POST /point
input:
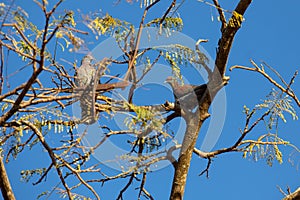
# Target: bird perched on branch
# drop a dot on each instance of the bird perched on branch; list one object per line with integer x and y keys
{"x": 85, "y": 80}
{"x": 188, "y": 95}
{"x": 85, "y": 73}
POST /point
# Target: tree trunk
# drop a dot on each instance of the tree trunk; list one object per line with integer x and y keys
{"x": 217, "y": 79}
{"x": 183, "y": 163}
{"x": 6, "y": 190}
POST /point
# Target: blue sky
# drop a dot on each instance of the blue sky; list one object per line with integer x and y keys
{"x": 269, "y": 33}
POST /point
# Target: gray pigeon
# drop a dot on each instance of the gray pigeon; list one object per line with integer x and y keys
{"x": 85, "y": 80}
{"x": 187, "y": 95}
{"x": 85, "y": 73}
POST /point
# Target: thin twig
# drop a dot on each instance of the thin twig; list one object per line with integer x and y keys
{"x": 167, "y": 12}
{"x": 50, "y": 152}
{"x": 126, "y": 187}
{"x": 221, "y": 13}
{"x": 261, "y": 71}
{"x": 206, "y": 170}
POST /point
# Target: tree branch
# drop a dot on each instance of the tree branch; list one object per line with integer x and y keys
{"x": 50, "y": 152}
{"x": 294, "y": 196}
{"x": 6, "y": 189}
{"x": 221, "y": 13}
{"x": 228, "y": 34}
{"x": 261, "y": 71}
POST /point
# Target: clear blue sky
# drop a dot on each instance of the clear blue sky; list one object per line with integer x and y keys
{"x": 270, "y": 33}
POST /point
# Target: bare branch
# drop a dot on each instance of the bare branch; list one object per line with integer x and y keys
{"x": 126, "y": 187}
{"x": 166, "y": 13}
{"x": 208, "y": 70}
{"x": 207, "y": 168}
{"x": 50, "y": 152}
{"x": 137, "y": 42}
{"x": 44, "y": 175}
{"x": 76, "y": 173}
{"x": 221, "y": 13}
{"x": 142, "y": 185}
{"x": 261, "y": 71}
{"x": 293, "y": 196}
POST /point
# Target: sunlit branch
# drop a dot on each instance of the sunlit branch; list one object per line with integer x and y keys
{"x": 22, "y": 35}
{"x": 18, "y": 51}
{"x": 207, "y": 69}
{"x": 261, "y": 71}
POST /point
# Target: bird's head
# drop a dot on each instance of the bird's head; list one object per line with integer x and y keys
{"x": 171, "y": 80}
{"x": 87, "y": 59}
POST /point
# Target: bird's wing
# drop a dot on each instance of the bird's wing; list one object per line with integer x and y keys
{"x": 180, "y": 91}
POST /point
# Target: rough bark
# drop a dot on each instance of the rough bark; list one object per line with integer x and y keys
{"x": 194, "y": 121}
{"x": 184, "y": 160}
{"x": 228, "y": 35}
{"x": 6, "y": 190}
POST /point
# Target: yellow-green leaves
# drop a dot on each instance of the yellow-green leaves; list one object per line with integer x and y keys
{"x": 172, "y": 62}
{"x": 102, "y": 25}
{"x": 144, "y": 119}
{"x": 27, "y": 174}
{"x": 274, "y": 108}
{"x": 145, "y": 3}
{"x": 177, "y": 55}
{"x": 168, "y": 23}
{"x": 236, "y": 19}
{"x": 24, "y": 48}
{"x": 265, "y": 147}
{"x": 69, "y": 19}
{"x": 279, "y": 105}
{"x": 278, "y": 154}
{"x": 4, "y": 107}
{"x": 77, "y": 42}
{"x": 20, "y": 17}
{"x": 66, "y": 34}
{"x": 65, "y": 20}
{"x": 69, "y": 38}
